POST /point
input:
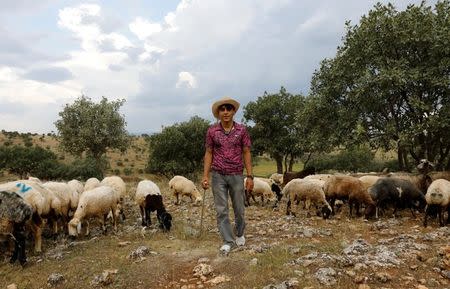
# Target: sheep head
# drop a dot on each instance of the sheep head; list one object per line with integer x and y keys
{"x": 74, "y": 227}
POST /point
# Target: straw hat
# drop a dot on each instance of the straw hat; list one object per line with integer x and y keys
{"x": 222, "y": 101}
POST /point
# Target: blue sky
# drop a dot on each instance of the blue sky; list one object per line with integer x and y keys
{"x": 169, "y": 59}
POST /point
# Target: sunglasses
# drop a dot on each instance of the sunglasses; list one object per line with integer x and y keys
{"x": 227, "y": 107}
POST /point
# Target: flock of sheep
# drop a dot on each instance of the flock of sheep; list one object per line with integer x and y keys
{"x": 26, "y": 205}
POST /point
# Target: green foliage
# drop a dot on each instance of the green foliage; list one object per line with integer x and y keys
{"x": 356, "y": 159}
{"x": 85, "y": 126}
{"x": 178, "y": 149}
{"x": 27, "y": 160}
{"x": 83, "y": 169}
{"x": 274, "y": 132}
{"x": 389, "y": 83}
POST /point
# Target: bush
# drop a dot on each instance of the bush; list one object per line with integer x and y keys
{"x": 357, "y": 159}
{"x": 119, "y": 163}
{"x": 116, "y": 172}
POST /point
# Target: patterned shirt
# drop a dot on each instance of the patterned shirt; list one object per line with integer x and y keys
{"x": 227, "y": 148}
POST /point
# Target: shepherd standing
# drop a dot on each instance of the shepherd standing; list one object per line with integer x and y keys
{"x": 227, "y": 151}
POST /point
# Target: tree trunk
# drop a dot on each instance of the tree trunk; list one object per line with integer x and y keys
{"x": 279, "y": 161}
{"x": 291, "y": 163}
{"x": 286, "y": 163}
{"x": 400, "y": 158}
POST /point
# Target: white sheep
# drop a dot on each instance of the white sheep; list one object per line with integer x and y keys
{"x": 310, "y": 191}
{"x": 120, "y": 189}
{"x": 91, "y": 183}
{"x": 322, "y": 177}
{"x": 184, "y": 187}
{"x": 42, "y": 201}
{"x": 368, "y": 181}
{"x": 277, "y": 178}
{"x": 148, "y": 197}
{"x": 68, "y": 200}
{"x": 97, "y": 202}
{"x": 438, "y": 200}
{"x": 261, "y": 188}
{"x": 78, "y": 188}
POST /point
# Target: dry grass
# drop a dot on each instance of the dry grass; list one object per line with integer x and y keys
{"x": 178, "y": 251}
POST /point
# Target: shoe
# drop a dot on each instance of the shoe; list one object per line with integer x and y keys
{"x": 240, "y": 241}
{"x": 225, "y": 249}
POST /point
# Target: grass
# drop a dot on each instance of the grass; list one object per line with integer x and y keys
{"x": 264, "y": 167}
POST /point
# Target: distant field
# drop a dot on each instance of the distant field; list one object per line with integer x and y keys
{"x": 264, "y": 167}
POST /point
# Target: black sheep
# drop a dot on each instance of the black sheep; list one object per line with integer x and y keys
{"x": 397, "y": 193}
{"x": 14, "y": 213}
{"x": 155, "y": 203}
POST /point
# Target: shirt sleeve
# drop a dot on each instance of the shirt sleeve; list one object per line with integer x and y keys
{"x": 209, "y": 143}
{"x": 246, "y": 142}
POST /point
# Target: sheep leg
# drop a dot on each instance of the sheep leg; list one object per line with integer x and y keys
{"x": 448, "y": 214}
{"x": 177, "y": 202}
{"x": 288, "y": 207}
{"x": 37, "y": 230}
{"x": 254, "y": 200}
{"x": 332, "y": 200}
{"x": 142, "y": 216}
{"x": 307, "y": 207}
{"x": 103, "y": 222}
{"x": 262, "y": 200}
{"x": 427, "y": 212}
{"x": 350, "y": 205}
{"x": 87, "y": 228}
{"x": 441, "y": 218}
{"x": 19, "y": 244}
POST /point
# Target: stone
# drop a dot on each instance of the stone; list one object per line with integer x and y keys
{"x": 446, "y": 273}
{"x": 421, "y": 287}
{"x": 202, "y": 270}
{"x": 140, "y": 252}
{"x": 326, "y": 276}
{"x": 253, "y": 262}
{"x": 363, "y": 286}
{"x": 55, "y": 279}
{"x": 11, "y": 286}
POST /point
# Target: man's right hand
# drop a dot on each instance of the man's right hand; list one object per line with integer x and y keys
{"x": 205, "y": 183}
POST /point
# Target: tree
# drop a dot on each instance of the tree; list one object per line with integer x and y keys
{"x": 389, "y": 83}
{"x": 274, "y": 131}
{"x": 178, "y": 149}
{"x": 92, "y": 128}
{"x": 24, "y": 161}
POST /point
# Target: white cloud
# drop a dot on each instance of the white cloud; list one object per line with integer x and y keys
{"x": 143, "y": 28}
{"x": 186, "y": 79}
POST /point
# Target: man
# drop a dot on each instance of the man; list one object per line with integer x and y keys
{"x": 227, "y": 150}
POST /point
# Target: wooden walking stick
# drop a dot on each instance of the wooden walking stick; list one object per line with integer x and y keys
{"x": 203, "y": 210}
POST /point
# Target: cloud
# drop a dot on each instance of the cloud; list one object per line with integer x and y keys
{"x": 49, "y": 74}
{"x": 186, "y": 79}
{"x": 143, "y": 28}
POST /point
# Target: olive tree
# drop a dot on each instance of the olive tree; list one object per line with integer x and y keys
{"x": 389, "y": 83}
{"x": 92, "y": 128}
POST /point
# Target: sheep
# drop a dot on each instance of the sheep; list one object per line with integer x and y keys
{"x": 264, "y": 188}
{"x": 310, "y": 191}
{"x": 78, "y": 188}
{"x": 43, "y": 202}
{"x": 14, "y": 213}
{"x": 97, "y": 202}
{"x": 277, "y": 178}
{"x": 183, "y": 186}
{"x": 68, "y": 200}
{"x": 420, "y": 181}
{"x": 368, "y": 181}
{"x": 91, "y": 183}
{"x": 351, "y": 188}
{"x": 425, "y": 166}
{"x": 397, "y": 192}
{"x": 438, "y": 200}
{"x": 287, "y": 176}
{"x": 148, "y": 198}
{"x": 440, "y": 175}
{"x": 119, "y": 187}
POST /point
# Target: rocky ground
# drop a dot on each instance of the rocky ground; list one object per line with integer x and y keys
{"x": 281, "y": 252}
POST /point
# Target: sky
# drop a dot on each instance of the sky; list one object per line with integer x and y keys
{"x": 170, "y": 60}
